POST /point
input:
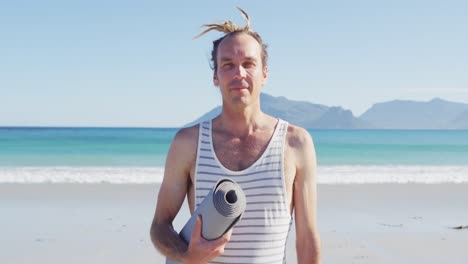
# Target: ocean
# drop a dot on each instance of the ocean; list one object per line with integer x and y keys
{"x": 137, "y": 155}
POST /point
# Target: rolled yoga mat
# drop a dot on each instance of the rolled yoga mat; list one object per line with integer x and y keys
{"x": 221, "y": 209}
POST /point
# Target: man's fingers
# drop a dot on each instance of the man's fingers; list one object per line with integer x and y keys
{"x": 201, "y": 250}
{"x": 228, "y": 234}
{"x": 219, "y": 244}
{"x": 222, "y": 240}
{"x": 197, "y": 228}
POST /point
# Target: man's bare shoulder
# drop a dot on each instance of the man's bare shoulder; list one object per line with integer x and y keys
{"x": 298, "y": 138}
{"x": 301, "y": 146}
{"x": 187, "y": 135}
{"x": 184, "y": 145}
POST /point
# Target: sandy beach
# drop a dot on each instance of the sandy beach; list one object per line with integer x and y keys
{"x": 109, "y": 223}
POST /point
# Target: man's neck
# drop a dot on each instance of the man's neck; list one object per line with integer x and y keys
{"x": 242, "y": 122}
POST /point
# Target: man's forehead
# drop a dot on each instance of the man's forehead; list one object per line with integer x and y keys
{"x": 239, "y": 45}
{"x": 229, "y": 58}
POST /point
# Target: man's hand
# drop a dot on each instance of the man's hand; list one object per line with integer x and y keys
{"x": 201, "y": 250}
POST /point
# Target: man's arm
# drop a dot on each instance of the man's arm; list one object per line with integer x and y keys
{"x": 172, "y": 194}
{"x": 174, "y": 188}
{"x": 305, "y": 198}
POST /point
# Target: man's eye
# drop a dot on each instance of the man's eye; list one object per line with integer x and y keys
{"x": 227, "y": 66}
{"x": 249, "y": 64}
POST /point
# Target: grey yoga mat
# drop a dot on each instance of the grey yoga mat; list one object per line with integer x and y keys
{"x": 221, "y": 209}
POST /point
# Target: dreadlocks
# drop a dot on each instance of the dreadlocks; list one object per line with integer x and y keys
{"x": 229, "y": 28}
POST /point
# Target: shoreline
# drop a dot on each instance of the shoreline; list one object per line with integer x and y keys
{"x": 358, "y": 223}
{"x": 336, "y": 175}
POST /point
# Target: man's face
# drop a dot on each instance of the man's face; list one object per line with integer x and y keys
{"x": 240, "y": 73}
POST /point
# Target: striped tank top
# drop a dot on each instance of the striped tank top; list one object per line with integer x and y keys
{"x": 261, "y": 235}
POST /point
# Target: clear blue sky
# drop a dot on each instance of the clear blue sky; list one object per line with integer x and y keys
{"x": 134, "y": 63}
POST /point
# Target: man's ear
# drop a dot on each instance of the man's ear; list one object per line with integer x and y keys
{"x": 215, "y": 80}
{"x": 265, "y": 74}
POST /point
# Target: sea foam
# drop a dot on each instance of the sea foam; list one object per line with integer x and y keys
{"x": 392, "y": 174}
{"x": 148, "y": 175}
{"x": 117, "y": 175}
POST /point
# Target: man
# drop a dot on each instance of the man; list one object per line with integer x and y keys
{"x": 273, "y": 161}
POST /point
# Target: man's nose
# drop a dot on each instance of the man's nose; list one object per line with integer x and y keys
{"x": 240, "y": 72}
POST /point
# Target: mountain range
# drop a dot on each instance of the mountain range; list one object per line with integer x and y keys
{"x": 397, "y": 114}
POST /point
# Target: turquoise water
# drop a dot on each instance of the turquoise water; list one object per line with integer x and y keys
{"x": 391, "y": 147}
{"x": 148, "y": 147}
{"x": 84, "y": 146}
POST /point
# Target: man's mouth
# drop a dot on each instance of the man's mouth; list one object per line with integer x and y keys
{"x": 238, "y": 88}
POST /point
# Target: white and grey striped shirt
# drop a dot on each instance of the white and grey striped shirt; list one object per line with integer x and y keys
{"x": 260, "y": 236}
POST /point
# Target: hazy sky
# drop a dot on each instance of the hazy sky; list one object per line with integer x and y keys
{"x": 134, "y": 63}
